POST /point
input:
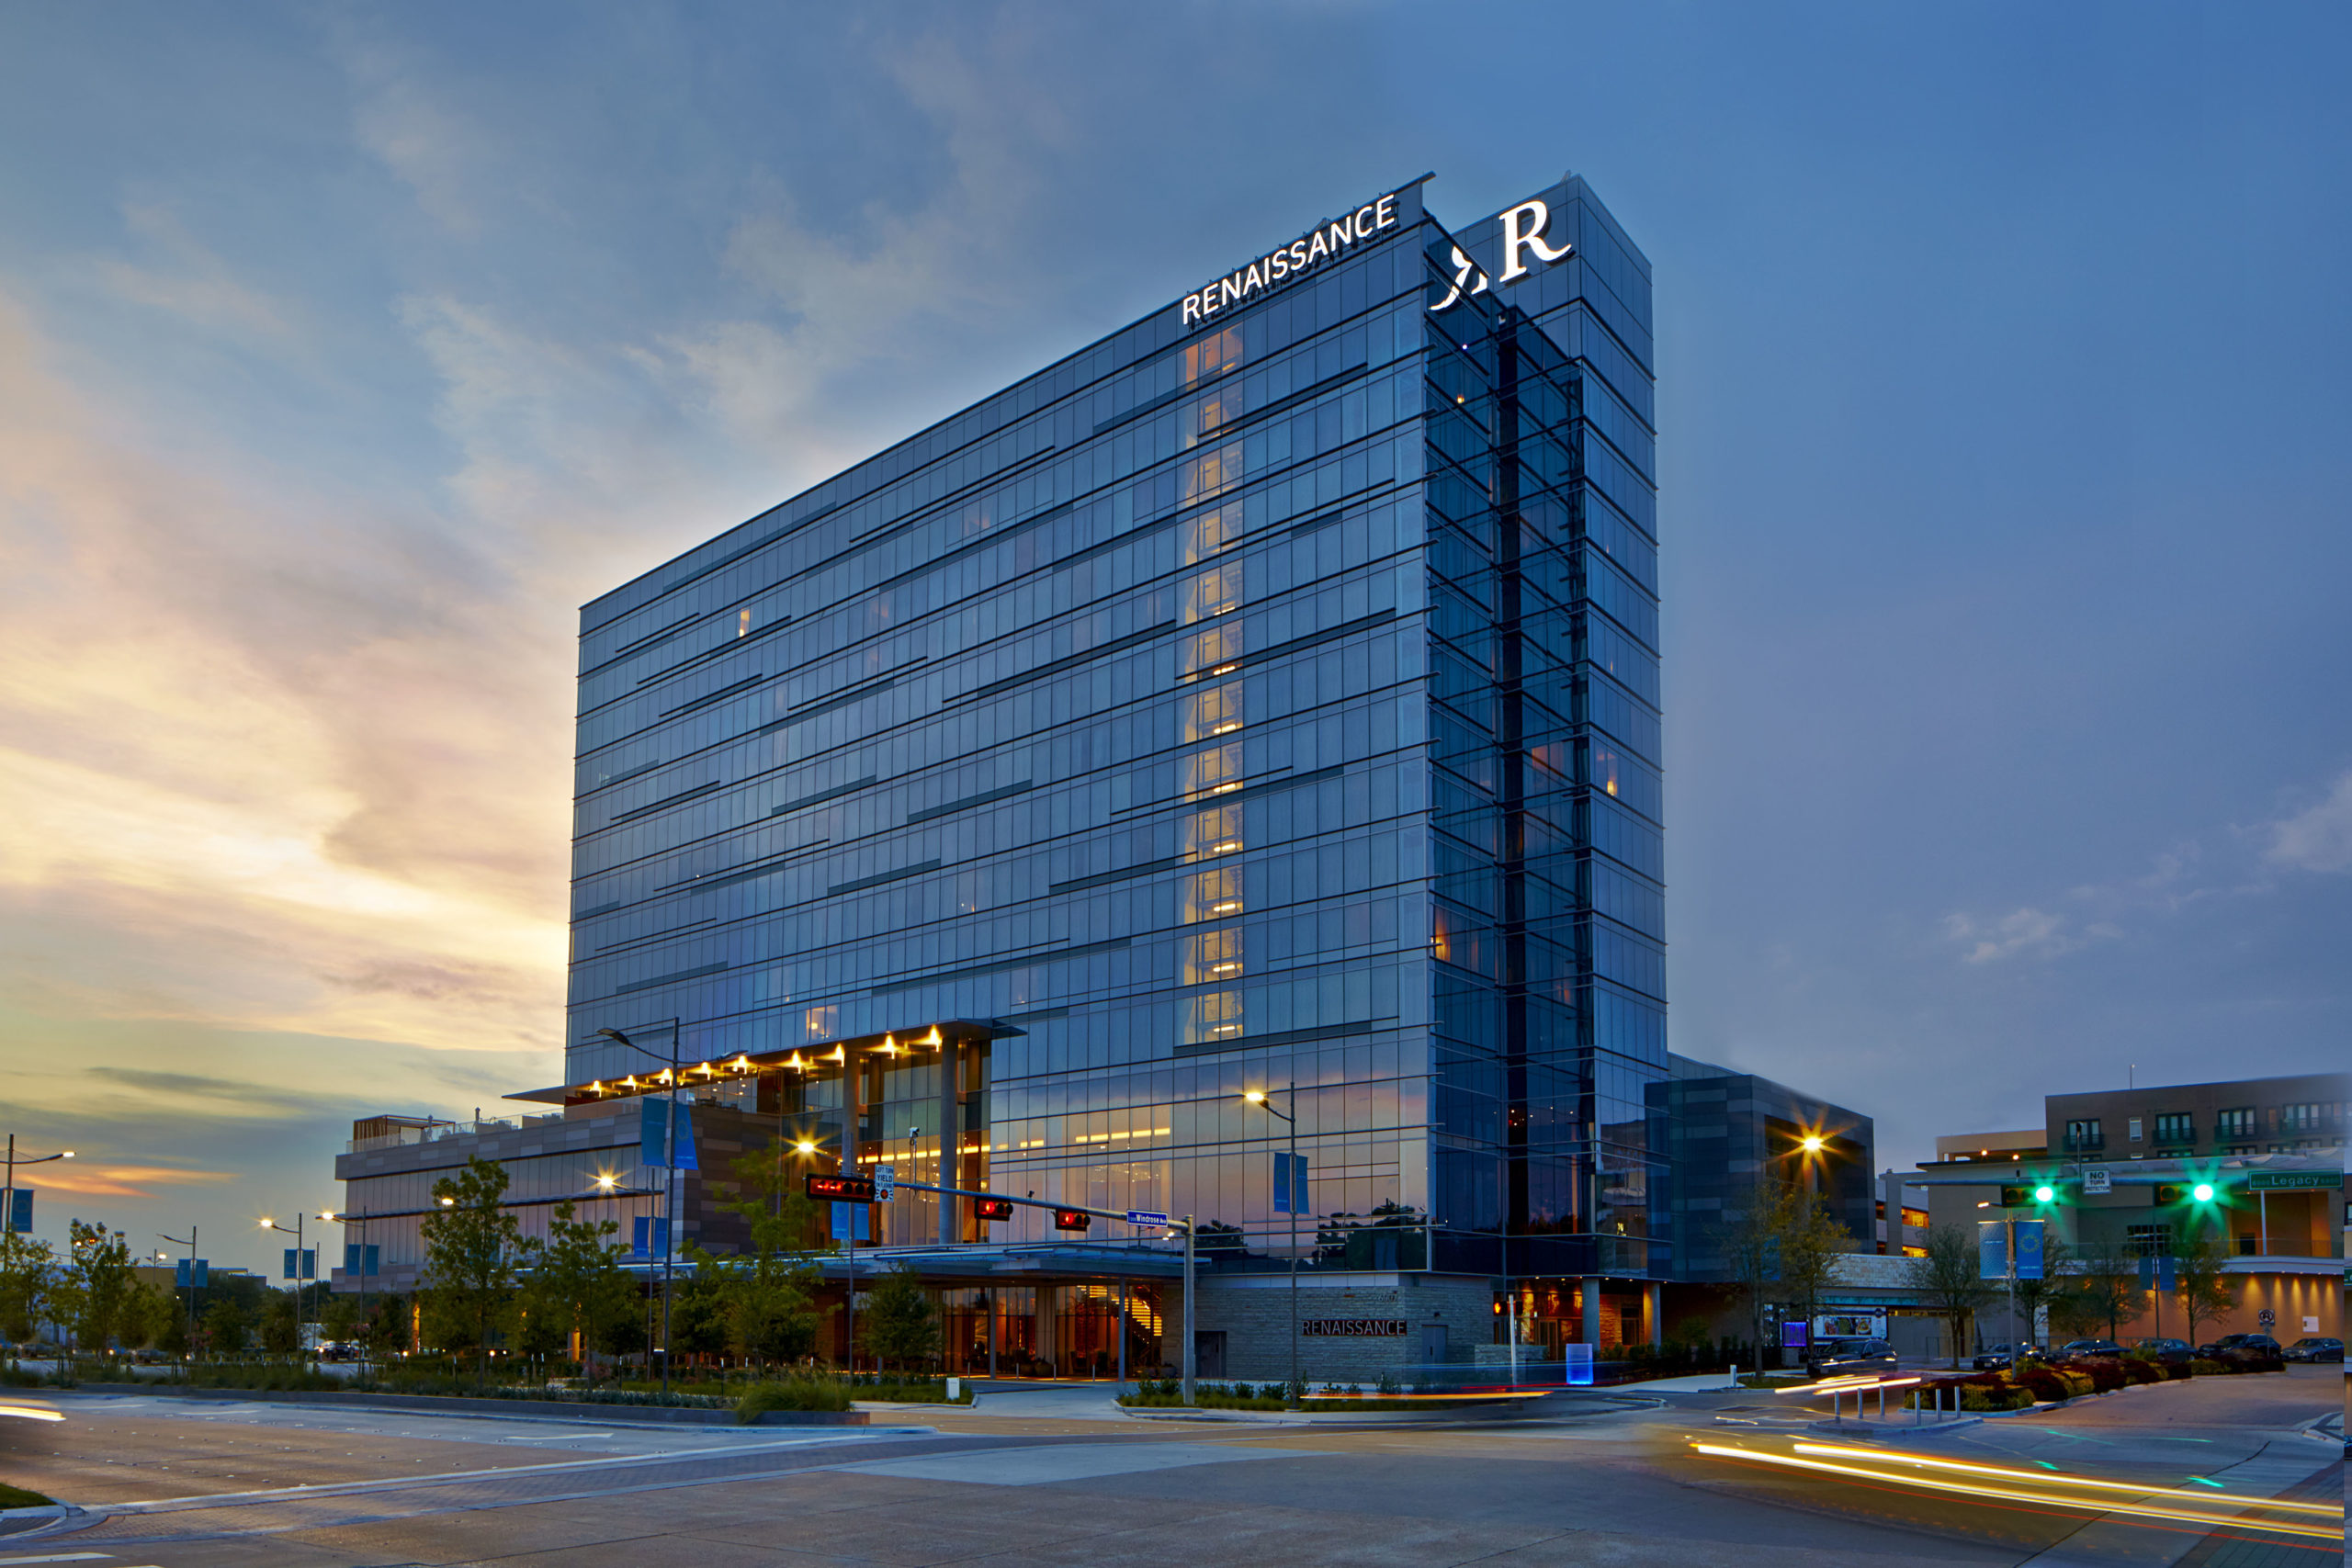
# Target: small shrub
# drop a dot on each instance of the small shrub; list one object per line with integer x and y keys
{"x": 790, "y": 1393}
{"x": 2105, "y": 1371}
{"x": 2207, "y": 1369}
{"x": 1978, "y": 1398}
{"x": 2138, "y": 1371}
{"x": 1243, "y": 1391}
{"x": 1388, "y": 1384}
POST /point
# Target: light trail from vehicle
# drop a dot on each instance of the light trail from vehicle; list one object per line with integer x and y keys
{"x": 2138, "y": 1489}
{"x": 30, "y": 1412}
{"x": 2051, "y": 1498}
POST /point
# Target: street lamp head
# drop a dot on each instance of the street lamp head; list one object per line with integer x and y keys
{"x": 1255, "y": 1096}
{"x": 67, "y": 1154}
{"x": 1812, "y": 1143}
{"x": 448, "y": 1202}
{"x": 268, "y": 1223}
{"x": 804, "y": 1146}
{"x": 617, "y": 1034}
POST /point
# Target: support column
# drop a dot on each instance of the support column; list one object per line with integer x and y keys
{"x": 1592, "y": 1314}
{"x": 951, "y": 1143}
{"x": 1653, "y": 1308}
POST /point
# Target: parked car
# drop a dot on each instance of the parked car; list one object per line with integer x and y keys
{"x": 2315, "y": 1348}
{"x": 2170, "y": 1351}
{"x": 1849, "y": 1357}
{"x": 2244, "y": 1343}
{"x": 1996, "y": 1358}
{"x": 2075, "y": 1347}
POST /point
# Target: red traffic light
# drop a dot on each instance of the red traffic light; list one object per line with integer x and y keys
{"x": 841, "y": 1188}
{"x": 992, "y": 1208}
{"x": 1072, "y": 1220}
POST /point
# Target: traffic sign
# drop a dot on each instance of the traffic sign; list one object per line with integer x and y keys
{"x": 886, "y": 1178}
{"x": 2098, "y": 1181}
{"x": 1143, "y": 1217}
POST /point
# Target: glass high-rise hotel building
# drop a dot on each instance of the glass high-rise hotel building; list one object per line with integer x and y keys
{"x": 1267, "y": 693}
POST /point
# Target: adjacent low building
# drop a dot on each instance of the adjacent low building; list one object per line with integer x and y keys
{"x": 2254, "y": 1166}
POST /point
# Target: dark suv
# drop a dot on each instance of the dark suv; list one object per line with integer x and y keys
{"x": 1849, "y": 1357}
{"x": 2073, "y": 1348}
{"x": 2243, "y": 1343}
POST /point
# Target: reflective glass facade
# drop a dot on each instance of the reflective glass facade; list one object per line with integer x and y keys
{"x": 1261, "y": 695}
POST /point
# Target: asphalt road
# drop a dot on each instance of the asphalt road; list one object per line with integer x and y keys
{"x": 1057, "y": 1479}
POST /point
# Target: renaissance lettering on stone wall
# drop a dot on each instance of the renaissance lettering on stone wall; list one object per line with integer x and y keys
{"x": 1355, "y": 1327}
{"x": 1302, "y": 255}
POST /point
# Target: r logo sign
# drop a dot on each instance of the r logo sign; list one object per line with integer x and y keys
{"x": 1523, "y": 228}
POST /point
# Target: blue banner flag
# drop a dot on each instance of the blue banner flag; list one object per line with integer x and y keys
{"x": 358, "y": 1259}
{"x": 2029, "y": 1249}
{"x": 653, "y": 1129}
{"x": 851, "y": 1221}
{"x": 2167, "y": 1277}
{"x": 1992, "y": 1250}
{"x": 21, "y": 1210}
{"x": 1290, "y": 1185}
{"x": 648, "y": 1237}
{"x": 193, "y": 1273}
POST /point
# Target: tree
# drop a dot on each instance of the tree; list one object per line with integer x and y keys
{"x": 281, "y": 1327}
{"x": 28, "y": 1272}
{"x": 2105, "y": 1293}
{"x": 902, "y": 1323}
{"x": 2204, "y": 1292}
{"x": 577, "y": 1284}
{"x": 102, "y": 1287}
{"x": 1812, "y": 1239}
{"x": 1751, "y": 1245}
{"x": 226, "y": 1326}
{"x": 765, "y": 1297}
{"x": 471, "y": 1245}
{"x": 1947, "y": 1277}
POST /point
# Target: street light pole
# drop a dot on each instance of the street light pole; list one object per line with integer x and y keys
{"x": 8, "y": 1203}
{"x": 1290, "y": 1201}
{"x": 190, "y": 1245}
{"x": 296, "y": 1234}
{"x": 668, "y": 1176}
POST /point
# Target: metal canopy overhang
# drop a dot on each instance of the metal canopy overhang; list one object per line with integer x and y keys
{"x": 808, "y": 1058}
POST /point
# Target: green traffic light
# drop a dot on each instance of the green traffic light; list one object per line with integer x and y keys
{"x": 2045, "y": 1194}
{"x": 2203, "y": 1192}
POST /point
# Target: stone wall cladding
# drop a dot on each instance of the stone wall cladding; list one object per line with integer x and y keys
{"x": 1255, "y": 1317}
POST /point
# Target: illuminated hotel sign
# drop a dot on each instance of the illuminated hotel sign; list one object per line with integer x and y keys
{"x": 1523, "y": 237}
{"x": 1302, "y": 255}
{"x": 1355, "y": 1327}
{"x": 1523, "y": 228}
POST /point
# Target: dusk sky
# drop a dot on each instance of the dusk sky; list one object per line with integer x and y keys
{"x": 2004, "y": 395}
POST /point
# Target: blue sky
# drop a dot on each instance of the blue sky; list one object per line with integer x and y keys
{"x": 345, "y": 351}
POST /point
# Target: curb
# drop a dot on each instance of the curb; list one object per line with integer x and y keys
{"x": 498, "y": 1409}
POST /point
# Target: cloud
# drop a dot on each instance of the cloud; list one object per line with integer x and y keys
{"x": 190, "y": 280}
{"x": 2318, "y": 838}
{"x": 98, "y": 1180}
{"x": 2034, "y": 933}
